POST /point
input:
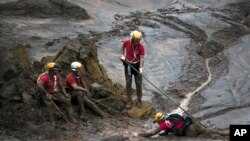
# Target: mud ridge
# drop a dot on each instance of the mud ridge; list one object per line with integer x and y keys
{"x": 43, "y": 9}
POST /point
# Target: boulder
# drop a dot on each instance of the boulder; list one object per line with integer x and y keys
{"x": 144, "y": 112}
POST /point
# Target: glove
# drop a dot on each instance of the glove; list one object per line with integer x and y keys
{"x": 48, "y": 97}
{"x": 122, "y": 58}
{"x": 140, "y": 70}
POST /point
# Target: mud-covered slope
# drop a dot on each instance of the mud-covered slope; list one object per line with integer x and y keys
{"x": 179, "y": 40}
{"x": 43, "y": 9}
{"x": 18, "y": 97}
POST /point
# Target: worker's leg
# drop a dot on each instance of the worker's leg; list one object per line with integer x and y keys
{"x": 128, "y": 78}
{"x": 67, "y": 102}
{"x": 138, "y": 83}
{"x": 191, "y": 130}
{"x": 93, "y": 106}
{"x": 49, "y": 110}
{"x": 78, "y": 95}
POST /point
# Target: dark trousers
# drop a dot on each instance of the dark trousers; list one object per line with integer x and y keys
{"x": 50, "y": 107}
{"x": 138, "y": 81}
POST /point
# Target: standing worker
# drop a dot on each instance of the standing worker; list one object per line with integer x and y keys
{"x": 48, "y": 84}
{"x": 132, "y": 51}
{"x": 76, "y": 86}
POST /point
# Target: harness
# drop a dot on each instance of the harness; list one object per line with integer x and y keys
{"x": 55, "y": 80}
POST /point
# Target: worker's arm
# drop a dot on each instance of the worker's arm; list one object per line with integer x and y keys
{"x": 43, "y": 90}
{"x": 141, "y": 61}
{"x": 149, "y": 134}
{"x": 122, "y": 53}
{"x": 75, "y": 87}
{"x": 63, "y": 90}
{"x": 122, "y": 50}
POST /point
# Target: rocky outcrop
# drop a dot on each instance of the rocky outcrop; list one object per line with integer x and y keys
{"x": 44, "y": 9}
{"x": 210, "y": 49}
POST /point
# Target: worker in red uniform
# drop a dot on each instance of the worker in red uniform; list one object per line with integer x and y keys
{"x": 51, "y": 89}
{"x": 76, "y": 86}
{"x": 132, "y": 51}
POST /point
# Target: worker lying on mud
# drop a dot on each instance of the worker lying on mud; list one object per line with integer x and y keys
{"x": 48, "y": 84}
{"x": 76, "y": 86}
{"x": 179, "y": 126}
{"x": 132, "y": 51}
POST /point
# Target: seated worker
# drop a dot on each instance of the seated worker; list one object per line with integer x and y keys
{"x": 48, "y": 84}
{"x": 76, "y": 86}
{"x": 177, "y": 125}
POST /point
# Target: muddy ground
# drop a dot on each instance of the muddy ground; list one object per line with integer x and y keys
{"x": 181, "y": 36}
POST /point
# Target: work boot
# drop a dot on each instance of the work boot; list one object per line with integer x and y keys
{"x": 139, "y": 104}
{"x": 129, "y": 104}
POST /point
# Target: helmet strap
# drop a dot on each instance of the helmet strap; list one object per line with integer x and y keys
{"x": 75, "y": 73}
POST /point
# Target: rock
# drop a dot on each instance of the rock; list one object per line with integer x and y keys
{"x": 143, "y": 112}
{"x": 68, "y": 126}
{"x": 9, "y": 90}
{"x": 26, "y": 97}
{"x": 210, "y": 49}
{"x": 13, "y": 62}
{"x": 99, "y": 91}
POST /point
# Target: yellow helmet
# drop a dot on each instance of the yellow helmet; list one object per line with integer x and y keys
{"x": 50, "y": 65}
{"x": 136, "y": 35}
{"x": 75, "y": 66}
{"x": 158, "y": 116}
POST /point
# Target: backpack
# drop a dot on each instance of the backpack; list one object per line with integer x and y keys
{"x": 175, "y": 118}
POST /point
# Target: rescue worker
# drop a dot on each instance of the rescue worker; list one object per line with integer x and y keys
{"x": 184, "y": 127}
{"x": 50, "y": 89}
{"x": 76, "y": 86}
{"x": 132, "y": 51}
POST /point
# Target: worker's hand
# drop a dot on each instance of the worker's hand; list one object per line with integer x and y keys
{"x": 140, "y": 70}
{"x": 86, "y": 92}
{"x": 48, "y": 97}
{"x": 67, "y": 95}
{"x": 122, "y": 58}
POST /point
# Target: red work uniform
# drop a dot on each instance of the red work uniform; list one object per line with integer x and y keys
{"x": 131, "y": 55}
{"x": 168, "y": 126}
{"x": 71, "y": 79}
{"x": 50, "y": 83}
